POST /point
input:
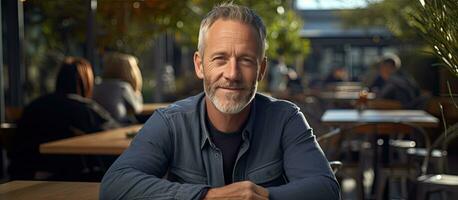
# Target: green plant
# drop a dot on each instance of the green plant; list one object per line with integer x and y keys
{"x": 436, "y": 20}
{"x": 438, "y": 24}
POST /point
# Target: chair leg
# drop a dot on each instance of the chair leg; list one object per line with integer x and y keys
{"x": 443, "y": 195}
{"x": 404, "y": 193}
{"x": 381, "y": 183}
{"x": 360, "y": 186}
{"x": 421, "y": 193}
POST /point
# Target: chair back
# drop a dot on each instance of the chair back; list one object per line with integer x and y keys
{"x": 450, "y": 111}
{"x": 440, "y": 143}
{"x": 328, "y": 142}
{"x": 335, "y": 166}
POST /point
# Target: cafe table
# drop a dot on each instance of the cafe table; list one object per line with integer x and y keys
{"x": 344, "y": 95}
{"x": 109, "y": 142}
{"x": 342, "y": 117}
{"x": 49, "y": 190}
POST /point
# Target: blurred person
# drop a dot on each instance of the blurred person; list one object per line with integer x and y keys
{"x": 394, "y": 84}
{"x": 337, "y": 74}
{"x": 278, "y": 75}
{"x": 120, "y": 90}
{"x": 228, "y": 142}
{"x": 377, "y": 83}
{"x": 169, "y": 88}
{"x": 66, "y": 112}
{"x": 168, "y": 77}
{"x": 294, "y": 84}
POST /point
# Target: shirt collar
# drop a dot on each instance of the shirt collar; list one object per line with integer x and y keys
{"x": 205, "y": 135}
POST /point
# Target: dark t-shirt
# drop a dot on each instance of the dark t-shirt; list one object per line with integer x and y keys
{"x": 229, "y": 144}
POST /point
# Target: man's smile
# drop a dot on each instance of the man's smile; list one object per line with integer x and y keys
{"x": 232, "y": 89}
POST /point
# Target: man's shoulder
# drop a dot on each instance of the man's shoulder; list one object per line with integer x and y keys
{"x": 190, "y": 104}
{"x": 268, "y": 103}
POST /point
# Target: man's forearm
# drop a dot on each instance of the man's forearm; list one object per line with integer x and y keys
{"x": 129, "y": 183}
{"x": 318, "y": 187}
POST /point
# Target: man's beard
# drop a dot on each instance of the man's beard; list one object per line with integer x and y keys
{"x": 233, "y": 102}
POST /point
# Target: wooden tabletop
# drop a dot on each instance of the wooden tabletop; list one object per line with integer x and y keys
{"x": 344, "y": 95}
{"x": 49, "y": 190}
{"x": 149, "y": 108}
{"x": 110, "y": 142}
{"x": 336, "y": 117}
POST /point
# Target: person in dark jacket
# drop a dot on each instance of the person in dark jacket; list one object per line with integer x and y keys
{"x": 67, "y": 112}
{"x": 396, "y": 84}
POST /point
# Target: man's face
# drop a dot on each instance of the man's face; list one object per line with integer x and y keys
{"x": 231, "y": 65}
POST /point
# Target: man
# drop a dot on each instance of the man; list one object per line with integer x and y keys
{"x": 228, "y": 143}
{"x": 396, "y": 85}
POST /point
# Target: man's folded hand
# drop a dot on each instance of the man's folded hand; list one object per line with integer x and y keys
{"x": 245, "y": 190}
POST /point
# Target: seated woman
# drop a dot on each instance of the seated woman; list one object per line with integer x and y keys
{"x": 120, "y": 90}
{"x": 67, "y": 112}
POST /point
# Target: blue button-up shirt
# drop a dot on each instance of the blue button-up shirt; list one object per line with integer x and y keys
{"x": 173, "y": 157}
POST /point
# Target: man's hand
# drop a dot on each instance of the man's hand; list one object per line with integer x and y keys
{"x": 245, "y": 190}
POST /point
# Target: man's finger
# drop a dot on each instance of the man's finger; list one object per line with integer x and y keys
{"x": 261, "y": 191}
{"x": 257, "y": 196}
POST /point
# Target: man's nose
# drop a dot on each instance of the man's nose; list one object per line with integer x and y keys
{"x": 232, "y": 71}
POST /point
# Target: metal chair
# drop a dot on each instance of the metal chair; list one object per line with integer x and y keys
{"x": 355, "y": 146}
{"x": 442, "y": 184}
{"x": 335, "y": 166}
{"x": 331, "y": 145}
{"x": 395, "y": 165}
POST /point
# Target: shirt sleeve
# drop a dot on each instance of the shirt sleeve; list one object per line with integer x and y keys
{"x": 138, "y": 172}
{"x": 305, "y": 165}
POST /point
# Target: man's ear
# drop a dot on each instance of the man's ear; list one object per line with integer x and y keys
{"x": 262, "y": 70}
{"x": 198, "y": 67}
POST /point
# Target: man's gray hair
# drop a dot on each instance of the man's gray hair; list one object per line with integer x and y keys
{"x": 230, "y": 11}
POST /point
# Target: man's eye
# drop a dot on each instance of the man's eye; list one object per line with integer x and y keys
{"x": 247, "y": 61}
{"x": 218, "y": 58}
